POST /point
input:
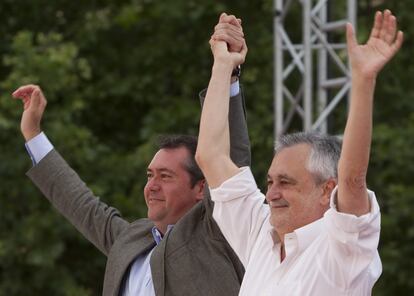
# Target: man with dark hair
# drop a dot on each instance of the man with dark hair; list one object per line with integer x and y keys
{"x": 188, "y": 142}
{"x": 179, "y": 250}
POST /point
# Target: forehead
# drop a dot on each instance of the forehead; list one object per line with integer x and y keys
{"x": 170, "y": 159}
{"x": 291, "y": 160}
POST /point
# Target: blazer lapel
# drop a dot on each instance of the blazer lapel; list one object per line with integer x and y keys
{"x": 157, "y": 262}
{"x": 123, "y": 253}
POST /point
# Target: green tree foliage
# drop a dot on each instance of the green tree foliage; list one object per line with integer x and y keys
{"x": 118, "y": 73}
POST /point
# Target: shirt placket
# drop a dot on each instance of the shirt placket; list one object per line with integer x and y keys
{"x": 291, "y": 248}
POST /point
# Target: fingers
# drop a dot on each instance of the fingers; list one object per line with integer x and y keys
{"x": 388, "y": 28}
{"x": 243, "y": 51}
{"x": 376, "y": 28}
{"x": 31, "y": 96}
{"x": 385, "y": 27}
{"x": 38, "y": 100}
{"x": 234, "y": 43}
{"x": 222, "y": 17}
{"x": 230, "y": 19}
{"x": 24, "y": 92}
{"x": 230, "y": 28}
{"x": 231, "y": 34}
{"x": 398, "y": 41}
{"x": 389, "y": 33}
{"x": 231, "y": 23}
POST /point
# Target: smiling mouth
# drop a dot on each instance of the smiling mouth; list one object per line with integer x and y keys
{"x": 276, "y": 205}
{"x": 153, "y": 200}
{"x": 279, "y": 207}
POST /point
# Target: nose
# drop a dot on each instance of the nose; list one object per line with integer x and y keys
{"x": 152, "y": 184}
{"x": 273, "y": 193}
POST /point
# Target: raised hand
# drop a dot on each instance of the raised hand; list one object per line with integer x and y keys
{"x": 229, "y": 29}
{"x": 222, "y": 55}
{"x": 227, "y": 43}
{"x": 34, "y": 104}
{"x": 384, "y": 42}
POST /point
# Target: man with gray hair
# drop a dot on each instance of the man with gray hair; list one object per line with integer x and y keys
{"x": 324, "y": 155}
{"x": 319, "y": 233}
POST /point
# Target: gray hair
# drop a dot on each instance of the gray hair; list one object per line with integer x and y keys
{"x": 324, "y": 156}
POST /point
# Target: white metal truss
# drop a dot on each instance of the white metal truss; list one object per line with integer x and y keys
{"x": 317, "y": 94}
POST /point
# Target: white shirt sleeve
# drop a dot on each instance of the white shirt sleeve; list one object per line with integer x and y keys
{"x": 234, "y": 88}
{"x": 348, "y": 228}
{"x": 354, "y": 240}
{"x": 240, "y": 212}
{"x": 38, "y": 147}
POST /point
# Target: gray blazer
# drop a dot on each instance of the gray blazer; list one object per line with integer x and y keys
{"x": 192, "y": 259}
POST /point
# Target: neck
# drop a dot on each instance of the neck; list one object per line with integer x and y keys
{"x": 162, "y": 228}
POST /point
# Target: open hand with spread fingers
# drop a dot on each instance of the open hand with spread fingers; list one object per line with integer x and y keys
{"x": 384, "y": 42}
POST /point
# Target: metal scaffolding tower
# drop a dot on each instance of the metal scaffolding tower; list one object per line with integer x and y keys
{"x": 312, "y": 60}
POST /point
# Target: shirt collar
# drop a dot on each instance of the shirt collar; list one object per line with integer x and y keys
{"x": 158, "y": 235}
{"x": 274, "y": 235}
{"x": 308, "y": 233}
{"x": 303, "y": 236}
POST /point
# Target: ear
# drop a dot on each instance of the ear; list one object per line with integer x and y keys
{"x": 327, "y": 188}
{"x": 199, "y": 187}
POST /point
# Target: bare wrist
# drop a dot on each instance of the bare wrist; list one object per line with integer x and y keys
{"x": 360, "y": 74}
{"x": 361, "y": 79}
{"x": 223, "y": 67}
{"x": 28, "y": 135}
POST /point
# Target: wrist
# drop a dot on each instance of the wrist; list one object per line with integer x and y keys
{"x": 223, "y": 67}
{"x": 28, "y": 135}
{"x": 363, "y": 79}
{"x": 362, "y": 74}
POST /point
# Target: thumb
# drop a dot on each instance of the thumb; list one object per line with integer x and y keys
{"x": 350, "y": 37}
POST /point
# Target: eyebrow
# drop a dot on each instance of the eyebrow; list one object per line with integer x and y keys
{"x": 162, "y": 170}
{"x": 283, "y": 176}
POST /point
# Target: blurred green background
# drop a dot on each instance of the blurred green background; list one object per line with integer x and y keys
{"x": 118, "y": 73}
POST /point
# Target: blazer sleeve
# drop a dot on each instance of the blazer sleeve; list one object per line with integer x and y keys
{"x": 98, "y": 222}
{"x": 239, "y": 136}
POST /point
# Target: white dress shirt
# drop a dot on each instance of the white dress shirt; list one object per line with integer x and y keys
{"x": 335, "y": 255}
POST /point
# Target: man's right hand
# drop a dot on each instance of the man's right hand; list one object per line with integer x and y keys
{"x": 229, "y": 29}
{"x": 34, "y": 104}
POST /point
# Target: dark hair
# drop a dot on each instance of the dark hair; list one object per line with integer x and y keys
{"x": 188, "y": 142}
{"x": 324, "y": 156}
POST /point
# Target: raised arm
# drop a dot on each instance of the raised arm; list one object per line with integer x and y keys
{"x": 366, "y": 61}
{"x": 98, "y": 222}
{"x": 213, "y": 151}
{"x": 229, "y": 29}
